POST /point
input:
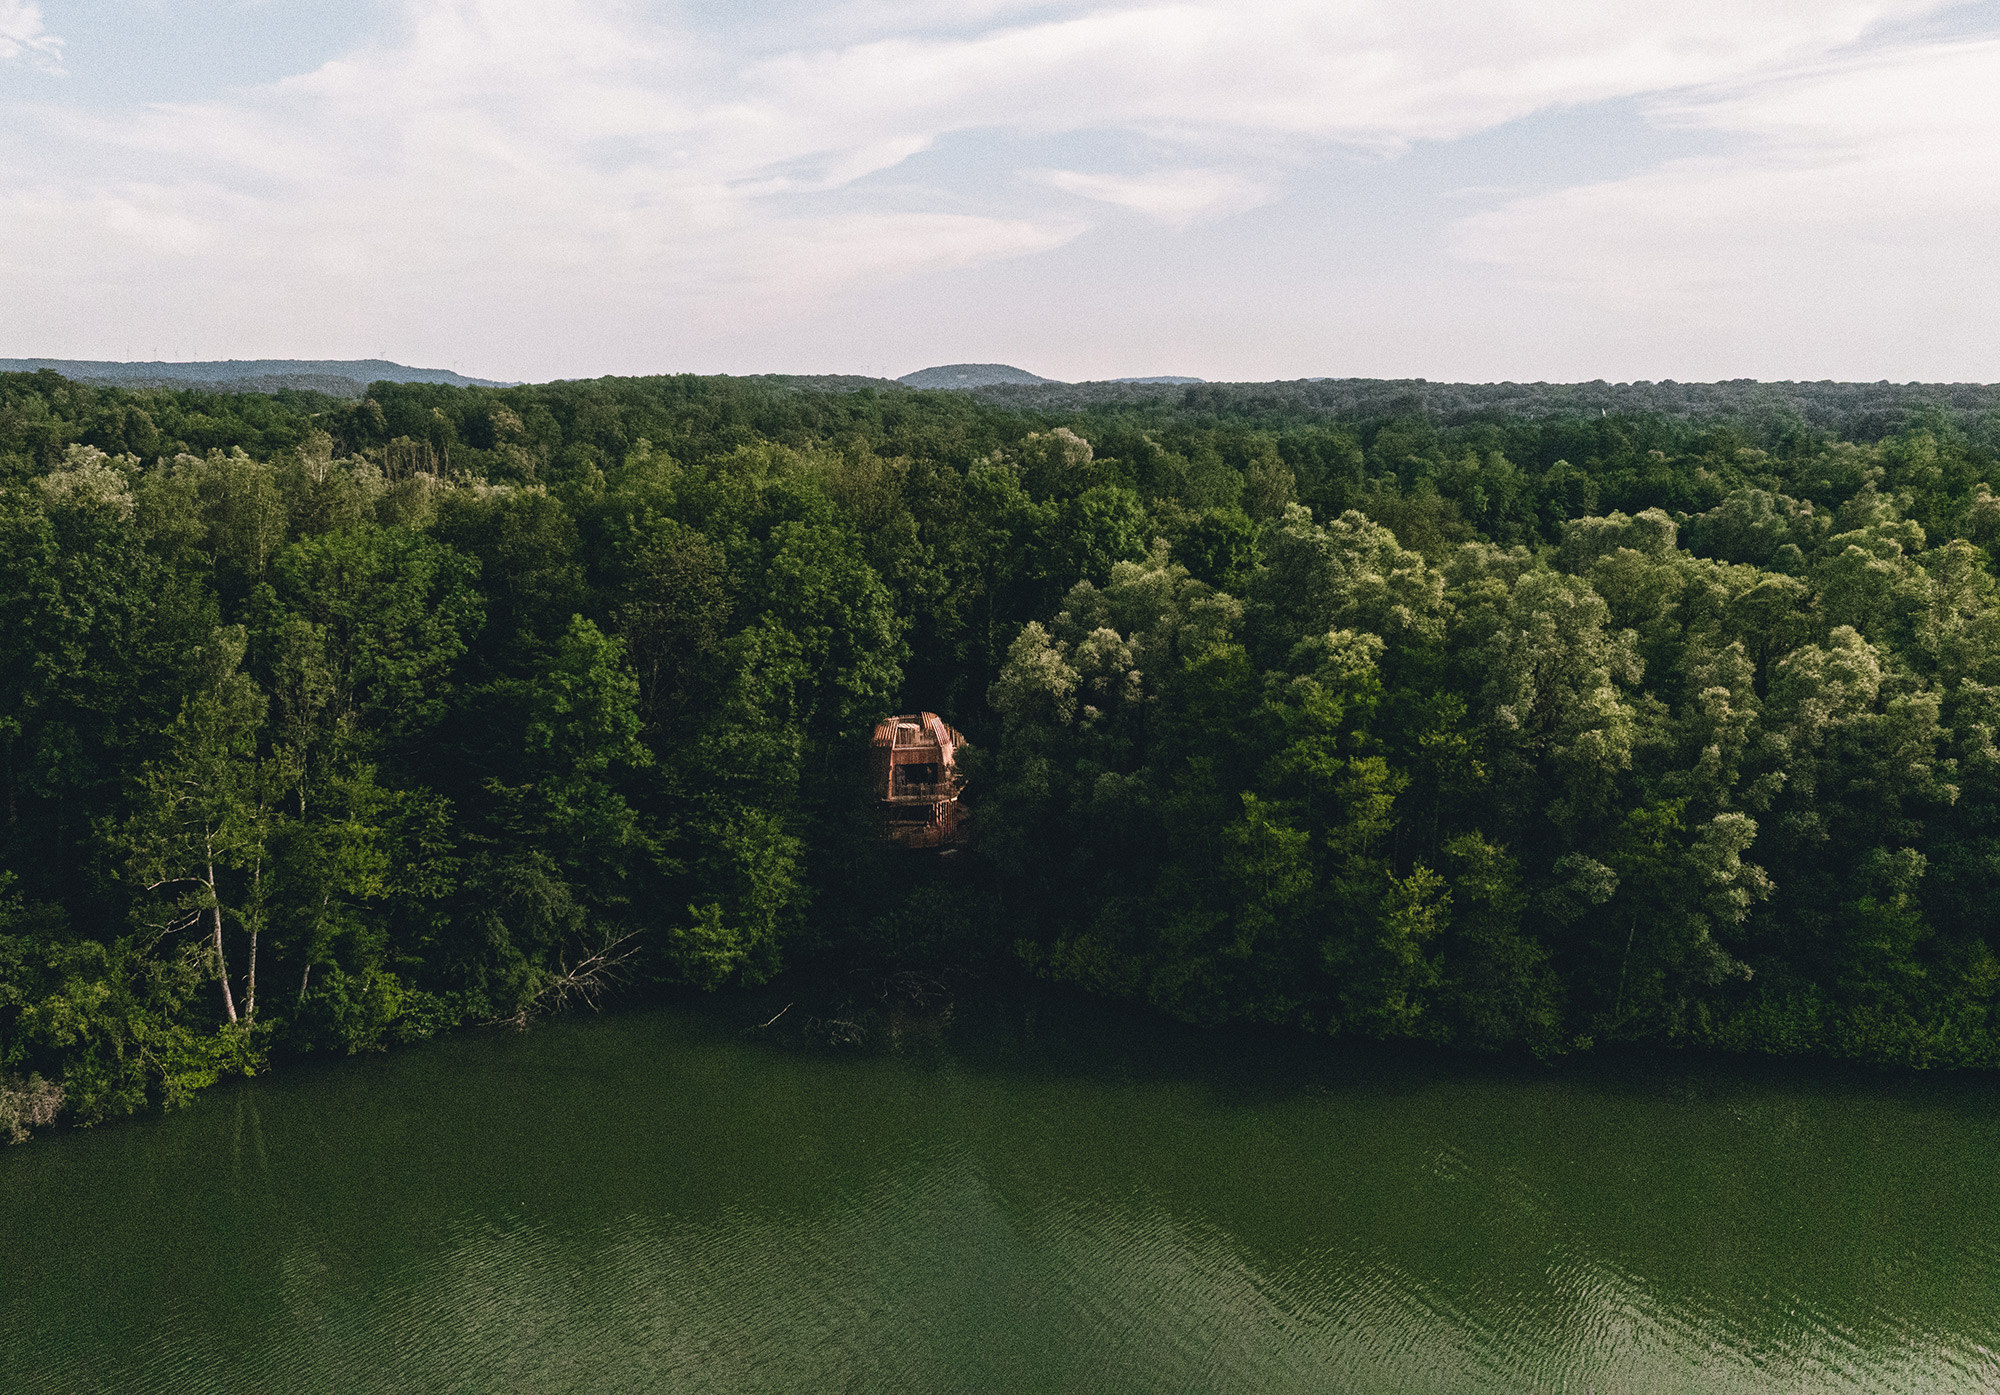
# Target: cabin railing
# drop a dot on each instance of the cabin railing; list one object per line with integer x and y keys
{"x": 914, "y": 792}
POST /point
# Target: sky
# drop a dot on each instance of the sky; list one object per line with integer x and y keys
{"x": 1476, "y": 190}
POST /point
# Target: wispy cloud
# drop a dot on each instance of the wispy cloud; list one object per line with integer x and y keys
{"x": 1372, "y": 71}
{"x": 22, "y": 36}
{"x": 1858, "y": 202}
{"x": 1176, "y": 197}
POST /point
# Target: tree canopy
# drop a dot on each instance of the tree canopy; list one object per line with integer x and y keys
{"x": 330, "y": 724}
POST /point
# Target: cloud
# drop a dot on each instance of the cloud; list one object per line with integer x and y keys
{"x": 530, "y": 177}
{"x": 584, "y": 185}
{"x": 1374, "y": 72}
{"x": 1851, "y": 226}
{"x": 1176, "y": 197}
{"x": 22, "y": 36}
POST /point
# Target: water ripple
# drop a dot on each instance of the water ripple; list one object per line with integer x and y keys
{"x": 701, "y": 1215}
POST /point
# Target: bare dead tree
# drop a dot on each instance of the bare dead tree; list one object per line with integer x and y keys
{"x": 584, "y": 982}
{"x": 26, "y": 1105}
{"x": 774, "y": 1018}
{"x": 838, "y": 1031}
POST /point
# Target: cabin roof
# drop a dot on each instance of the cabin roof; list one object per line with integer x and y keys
{"x": 917, "y": 729}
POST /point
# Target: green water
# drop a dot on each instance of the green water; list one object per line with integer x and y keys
{"x": 1025, "y": 1200}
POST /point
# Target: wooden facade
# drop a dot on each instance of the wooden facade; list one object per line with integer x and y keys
{"x": 914, "y": 764}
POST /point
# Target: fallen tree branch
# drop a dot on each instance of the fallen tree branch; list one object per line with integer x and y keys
{"x": 587, "y": 981}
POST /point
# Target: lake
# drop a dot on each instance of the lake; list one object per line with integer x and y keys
{"x": 1033, "y": 1196}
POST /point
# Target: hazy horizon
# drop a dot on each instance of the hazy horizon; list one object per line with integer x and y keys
{"x": 1151, "y": 379}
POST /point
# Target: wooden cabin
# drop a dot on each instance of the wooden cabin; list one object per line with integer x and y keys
{"x": 914, "y": 763}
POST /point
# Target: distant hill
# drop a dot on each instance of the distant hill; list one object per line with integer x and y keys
{"x": 972, "y": 375}
{"x": 1163, "y": 378}
{"x": 339, "y": 377}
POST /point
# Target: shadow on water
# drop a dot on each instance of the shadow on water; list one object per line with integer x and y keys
{"x": 1031, "y": 1194}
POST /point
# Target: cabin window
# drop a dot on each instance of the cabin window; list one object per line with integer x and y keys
{"x": 907, "y": 775}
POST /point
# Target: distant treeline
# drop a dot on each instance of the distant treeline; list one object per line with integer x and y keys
{"x": 326, "y": 384}
{"x": 1850, "y": 411}
{"x": 331, "y": 723}
{"x": 332, "y": 377}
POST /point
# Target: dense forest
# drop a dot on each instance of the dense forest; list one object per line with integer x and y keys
{"x": 1524, "y": 723}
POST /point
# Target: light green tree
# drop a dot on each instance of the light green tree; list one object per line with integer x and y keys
{"x": 203, "y": 811}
